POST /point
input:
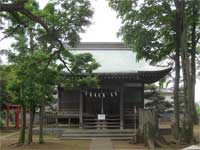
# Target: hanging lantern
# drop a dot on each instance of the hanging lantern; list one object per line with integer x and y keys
{"x": 104, "y": 95}
{"x": 111, "y": 94}
{"x": 135, "y": 109}
{"x": 99, "y": 95}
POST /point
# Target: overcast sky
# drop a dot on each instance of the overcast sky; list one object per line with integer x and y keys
{"x": 104, "y": 25}
{"x": 104, "y": 28}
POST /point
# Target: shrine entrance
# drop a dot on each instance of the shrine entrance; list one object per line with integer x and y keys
{"x": 101, "y": 107}
{"x": 101, "y": 101}
{"x": 16, "y": 110}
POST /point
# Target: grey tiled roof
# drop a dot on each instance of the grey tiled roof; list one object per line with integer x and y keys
{"x": 118, "y": 60}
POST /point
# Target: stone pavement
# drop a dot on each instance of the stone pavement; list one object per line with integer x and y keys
{"x": 101, "y": 144}
{"x": 192, "y": 147}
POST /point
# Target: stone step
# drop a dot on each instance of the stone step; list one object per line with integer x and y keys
{"x": 111, "y": 119}
{"x": 100, "y": 126}
{"x": 101, "y": 123}
{"x": 90, "y": 134}
{"x": 97, "y": 135}
{"x": 89, "y": 138}
{"x": 94, "y": 131}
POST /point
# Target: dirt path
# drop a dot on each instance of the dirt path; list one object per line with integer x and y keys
{"x": 8, "y": 135}
{"x": 4, "y": 137}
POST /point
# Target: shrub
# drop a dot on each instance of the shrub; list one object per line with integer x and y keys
{"x": 2, "y": 123}
{"x": 198, "y": 110}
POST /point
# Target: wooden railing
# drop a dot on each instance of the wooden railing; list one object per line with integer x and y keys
{"x": 53, "y": 117}
{"x": 63, "y": 112}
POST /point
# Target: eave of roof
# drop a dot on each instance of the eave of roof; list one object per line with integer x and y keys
{"x": 119, "y": 62}
{"x": 147, "y": 77}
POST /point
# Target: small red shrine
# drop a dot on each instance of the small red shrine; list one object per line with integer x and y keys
{"x": 12, "y": 108}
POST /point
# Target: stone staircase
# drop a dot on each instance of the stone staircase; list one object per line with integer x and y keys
{"x": 94, "y": 133}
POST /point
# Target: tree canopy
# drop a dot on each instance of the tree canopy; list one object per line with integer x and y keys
{"x": 149, "y": 27}
{"x": 41, "y": 53}
{"x": 160, "y": 29}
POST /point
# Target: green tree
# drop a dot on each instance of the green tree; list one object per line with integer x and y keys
{"x": 152, "y": 28}
{"x": 6, "y": 74}
{"x": 149, "y": 28}
{"x": 39, "y": 81}
{"x": 39, "y": 53}
{"x": 155, "y": 100}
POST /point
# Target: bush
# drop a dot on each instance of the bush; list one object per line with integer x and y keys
{"x": 2, "y": 123}
{"x": 3, "y": 114}
{"x": 198, "y": 111}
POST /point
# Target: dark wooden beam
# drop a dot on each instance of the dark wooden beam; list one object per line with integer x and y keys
{"x": 81, "y": 110}
{"x": 142, "y": 96}
{"x": 121, "y": 108}
{"x": 59, "y": 97}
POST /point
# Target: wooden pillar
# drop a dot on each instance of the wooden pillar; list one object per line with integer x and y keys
{"x": 8, "y": 117}
{"x": 69, "y": 122}
{"x": 56, "y": 122}
{"x": 121, "y": 108}
{"x": 59, "y": 97}
{"x": 81, "y": 110}
{"x": 17, "y": 117}
{"x": 47, "y": 121}
{"x": 142, "y": 96}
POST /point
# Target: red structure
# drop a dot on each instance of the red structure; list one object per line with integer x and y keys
{"x": 16, "y": 109}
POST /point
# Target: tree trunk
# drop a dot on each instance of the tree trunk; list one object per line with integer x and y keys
{"x": 41, "y": 136}
{"x": 148, "y": 127}
{"x": 188, "y": 131}
{"x": 177, "y": 77}
{"x": 30, "y": 129}
{"x": 193, "y": 62}
{"x": 23, "y": 119}
{"x": 23, "y": 125}
{"x": 31, "y": 103}
{"x": 188, "y": 122}
{"x": 176, "y": 95}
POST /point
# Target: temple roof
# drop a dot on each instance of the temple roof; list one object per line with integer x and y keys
{"x": 118, "y": 61}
